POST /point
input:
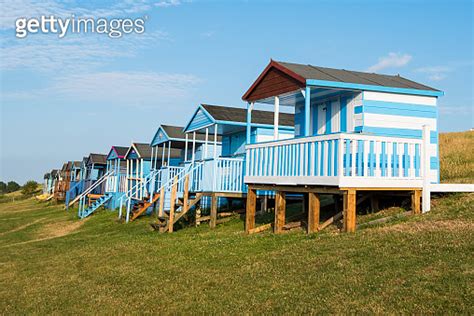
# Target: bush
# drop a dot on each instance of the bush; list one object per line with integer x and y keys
{"x": 12, "y": 186}
{"x": 3, "y": 187}
{"x": 29, "y": 188}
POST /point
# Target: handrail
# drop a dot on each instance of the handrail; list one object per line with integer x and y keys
{"x": 98, "y": 182}
{"x": 127, "y": 194}
{"x": 181, "y": 174}
{"x": 352, "y": 136}
{"x": 82, "y": 197}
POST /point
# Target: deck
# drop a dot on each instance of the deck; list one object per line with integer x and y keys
{"x": 342, "y": 160}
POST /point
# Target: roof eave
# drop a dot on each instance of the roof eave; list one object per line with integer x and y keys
{"x": 365, "y": 87}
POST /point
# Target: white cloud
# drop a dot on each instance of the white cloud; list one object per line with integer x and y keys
{"x": 167, "y": 3}
{"x": 142, "y": 89}
{"x": 435, "y": 73}
{"x": 72, "y": 53}
{"x": 393, "y": 60}
{"x": 456, "y": 110}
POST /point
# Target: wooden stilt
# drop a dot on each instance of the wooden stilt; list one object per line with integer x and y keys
{"x": 198, "y": 214}
{"x": 313, "y": 212}
{"x": 212, "y": 222}
{"x": 186, "y": 194}
{"x": 172, "y": 204}
{"x": 265, "y": 204}
{"x": 349, "y": 205}
{"x": 280, "y": 210}
{"x": 250, "y": 210}
{"x": 161, "y": 210}
{"x": 416, "y": 202}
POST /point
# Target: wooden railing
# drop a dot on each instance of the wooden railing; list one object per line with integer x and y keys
{"x": 345, "y": 160}
{"x": 219, "y": 175}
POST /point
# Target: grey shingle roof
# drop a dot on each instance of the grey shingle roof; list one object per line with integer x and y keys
{"x": 143, "y": 150}
{"x": 121, "y": 151}
{"x": 98, "y": 159}
{"x": 224, "y": 113}
{"x": 174, "y": 131}
{"x": 349, "y": 76}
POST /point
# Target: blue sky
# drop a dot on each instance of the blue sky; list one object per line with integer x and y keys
{"x": 63, "y": 98}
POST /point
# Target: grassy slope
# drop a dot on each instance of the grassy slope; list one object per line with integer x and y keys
{"x": 417, "y": 264}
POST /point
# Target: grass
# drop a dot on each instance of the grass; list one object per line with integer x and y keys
{"x": 53, "y": 263}
{"x": 456, "y": 157}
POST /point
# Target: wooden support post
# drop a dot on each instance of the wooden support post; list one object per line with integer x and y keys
{"x": 313, "y": 212}
{"x": 349, "y": 205}
{"x": 186, "y": 194}
{"x": 172, "y": 204}
{"x": 280, "y": 210}
{"x": 161, "y": 209}
{"x": 212, "y": 222}
{"x": 416, "y": 202}
{"x": 198, "y": 214}
{"x": 250, "y": 210}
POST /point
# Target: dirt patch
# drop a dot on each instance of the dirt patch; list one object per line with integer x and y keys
{"x": 21, "y": 210}
{"x": 415, "y": 227}
{"x": 59, "y": 229}
{"x": 22, "y": 227}
{"x": 54, "y": 230}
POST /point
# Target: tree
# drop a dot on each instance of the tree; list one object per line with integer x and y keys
{"x": 3, "y": 187}
{"x": 29, "y": 188}
{"x": 12, "y": 186}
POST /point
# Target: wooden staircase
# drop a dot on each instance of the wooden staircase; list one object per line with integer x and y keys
{"x": 179, "y": 207}
{"x": 140, "y": 207}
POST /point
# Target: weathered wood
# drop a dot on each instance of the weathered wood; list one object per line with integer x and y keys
{"x": 144, "y": 207}
{"x": 331, "y": 220}
{"x": 203, "y": 218}
{"x": 416, "y": 202}
{"x": 292, "y": 225}
{"x": 213, "y": 221}
{"x": 384, "y": 219}
{"x": 314, "y": 207}
{"x": 225, "y": 214}
{"x": 250, "y": 209}
{"x": 260, "y": 228}
{"x": 174, "y": 189}
{"x": 349, "y": 210}
{"x": 280, "y": 211}
{"x": 186, "y": 194}
{"x": 161, "y": 210}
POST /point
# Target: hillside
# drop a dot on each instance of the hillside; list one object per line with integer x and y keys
{"x": 53, "y": 263}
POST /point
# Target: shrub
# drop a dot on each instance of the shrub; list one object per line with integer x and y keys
{"x": 12, "y": 186}
{"x": 29, "y": 188}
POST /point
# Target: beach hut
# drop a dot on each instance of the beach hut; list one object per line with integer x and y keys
{"x": 116, "y": 184}
{"x": 215, "y": 169}
{"x": 356, "y": 132}
{"x": 168, "y": 154}
{"x": 62, "y": 182}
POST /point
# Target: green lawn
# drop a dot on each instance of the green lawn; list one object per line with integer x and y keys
{"x": 53, "y": 263}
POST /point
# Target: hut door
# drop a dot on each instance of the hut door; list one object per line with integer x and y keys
{"x": 321, "y": 118}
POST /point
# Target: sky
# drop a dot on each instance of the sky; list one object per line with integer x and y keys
{"x": 62, "y": 98}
